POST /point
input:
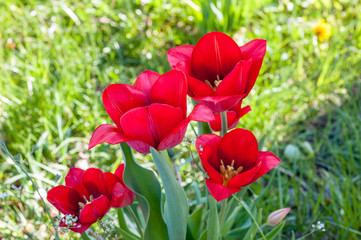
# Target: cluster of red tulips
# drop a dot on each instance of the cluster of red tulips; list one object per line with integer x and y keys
{"x": 152, "y": 115}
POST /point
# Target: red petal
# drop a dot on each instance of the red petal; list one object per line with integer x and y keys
{"x": 175, "y": 137}
{"x": 215, "y": 54}
{"x": 129, "y": 195}
{"x": 233, "y": 117}
{"x": 219, "y": 104}
{"x": 74, "y": 179}
{"x": 94, "y": 210}
{"x": 151, "y": 124}
{"x": 197, "y": 88}
{"x": 201, "y": 113}
{"x": 178, "y": 54}
{"x": 268, "y": 161}
{"x": 65, "y": 199}
{"x": 119, "y": 172}
{"x": 117, "y": 195}
{"x": 241, "y": 146}
{"x": 76, "y": 227}
{"x": 111, "y": 180}
{"x": 240, "y": 113}
{"x": 145, "y": 81}
{"x": 122, "y": 196}
{"x": 95, "y": 182}
{"x": 183, "y": 67}
{"x": 244, "y": 178}
{"x": 139, "y": 146}
{"x": 171, "y": 89}
{"x": 120, "y": 98}
{"x": 255, "y": 50}
{"x": 207, "y": 146}
{"x": 216, "y": 125}
{"x": 236, "y": 81}
{"x": 107, "y": 133}
{"x": 220, "y": 192}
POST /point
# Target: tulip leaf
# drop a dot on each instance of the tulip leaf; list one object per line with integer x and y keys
{"x": 195, "y": 221}
{"x": 275, "y": 231}
{"x": 84, "y": 236}
{"x": 176, "y": 203}
{"x": 213, "y": 222}
{"x": 123, "y": 228}
{"x": 146, "y": 186}
{"x": 230, "y": 221}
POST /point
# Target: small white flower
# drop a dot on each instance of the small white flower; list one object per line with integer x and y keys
{"x": 290, "y": 6}
{"x": 284, "y": 56}
{"x": 106, "y": 49}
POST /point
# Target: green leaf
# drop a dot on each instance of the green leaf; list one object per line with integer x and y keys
{"x": 212, "y": 223}
{"x": 126, "y": 233}
{"x": 176, "y": 203}
{"x": 147, "y": 188}
{"x": 195, "y": 221}
{"x": 275, "y": 231}
{"x": 84, "y": 236}
{"x": 227, "y": 225}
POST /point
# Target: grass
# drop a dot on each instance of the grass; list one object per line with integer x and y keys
{"x": 58, "y": 56}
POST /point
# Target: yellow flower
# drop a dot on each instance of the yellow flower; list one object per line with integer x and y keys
{"x": 322, "y": 29}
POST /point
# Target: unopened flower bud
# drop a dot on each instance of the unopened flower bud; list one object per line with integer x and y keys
{"x": 277, "y": 216}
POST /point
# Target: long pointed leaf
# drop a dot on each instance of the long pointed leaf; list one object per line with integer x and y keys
{"x": 212, "y": 223}
{"x": 147, "y": 188}
{"x": 176, "y": 203}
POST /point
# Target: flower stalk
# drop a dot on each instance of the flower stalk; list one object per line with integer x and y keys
{"x": 224, "y": 123}
{"x": 223, "y": 132}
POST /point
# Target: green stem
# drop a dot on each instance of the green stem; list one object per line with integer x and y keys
{"x": 250, "y": 214}
{"x": 308, "y": 234}
{"x": 136, "y": 221}
{"x": 224, "y": 123}
{"x": 223, "y": 132}
{"x": 222, "y": 212}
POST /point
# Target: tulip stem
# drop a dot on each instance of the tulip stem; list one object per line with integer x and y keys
{"x": 222, "y": 212}
{"x": 136, "y": 221}
{"x": 224, "y": 123}
{"x": 251, "y": 215}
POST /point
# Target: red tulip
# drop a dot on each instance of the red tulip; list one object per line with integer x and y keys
{"x": 88, "y": 195}
{"x": 233, "y": 161}
{"x": 233, "y": 116}
{"x": 219, "y": 73}
{"x": 151, "y": 113}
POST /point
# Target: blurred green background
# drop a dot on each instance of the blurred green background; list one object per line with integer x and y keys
{"x": 56, "y": 57}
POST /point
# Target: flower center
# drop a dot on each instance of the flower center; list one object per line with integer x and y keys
{"x": 82, "y": 205}
{"x": 229, "y": 172}
{"x": 216, "y": 83}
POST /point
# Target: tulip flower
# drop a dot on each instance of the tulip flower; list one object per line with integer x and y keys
{"x": 233, "y": 116}
{"x": 88, "y": 195}
{"x": 151, "y": 113}
{"x": 233, "y": 161}
{"x": 219, "y": 73}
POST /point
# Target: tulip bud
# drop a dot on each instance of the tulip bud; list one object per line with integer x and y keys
{"x": 277, "y": 216}
{"x": 292, "y": 152}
